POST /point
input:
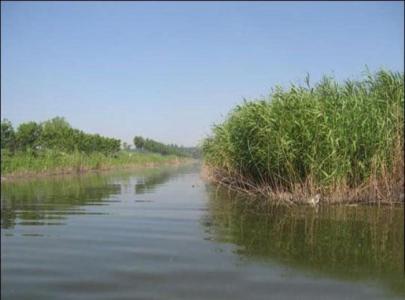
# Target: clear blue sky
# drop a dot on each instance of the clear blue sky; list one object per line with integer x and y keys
{"x": 169, "y": 70}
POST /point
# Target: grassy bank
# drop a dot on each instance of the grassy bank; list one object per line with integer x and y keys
{"x": 49, "y": 162}
{"x": 343, "y": 141}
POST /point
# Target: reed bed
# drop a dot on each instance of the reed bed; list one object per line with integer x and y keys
{"x": 342, "y": 140}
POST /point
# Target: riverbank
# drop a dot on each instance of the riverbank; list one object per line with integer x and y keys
{"x": 342, "y": 142}
{"x": 24, "y": 165}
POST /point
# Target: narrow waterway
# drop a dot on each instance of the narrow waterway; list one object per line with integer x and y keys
{"x": 167, "y": 234}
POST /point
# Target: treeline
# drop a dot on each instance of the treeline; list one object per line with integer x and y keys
{"x": 145, "y": 144}
{"x": 55, "y": 134}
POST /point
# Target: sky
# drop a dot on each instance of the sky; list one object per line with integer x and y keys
{"x": 170, "y": 70}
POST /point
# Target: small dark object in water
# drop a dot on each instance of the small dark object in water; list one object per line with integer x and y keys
{"x": 143, "y": 201}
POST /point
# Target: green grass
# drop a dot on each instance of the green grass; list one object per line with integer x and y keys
{"x": 324, "y": 137}
{"x": 51, "y": 161}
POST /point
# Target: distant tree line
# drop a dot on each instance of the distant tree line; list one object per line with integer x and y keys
{"x": 145, "y": 144}
{"x": 56, "y": 134}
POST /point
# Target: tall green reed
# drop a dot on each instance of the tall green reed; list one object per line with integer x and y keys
{"x": 329, "y": 134}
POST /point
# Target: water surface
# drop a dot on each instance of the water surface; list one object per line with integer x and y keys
{"x": 166, "y": 234}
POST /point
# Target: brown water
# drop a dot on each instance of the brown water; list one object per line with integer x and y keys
{"x": 166, "y": 234}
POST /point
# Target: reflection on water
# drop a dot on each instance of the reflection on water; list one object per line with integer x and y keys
{"x": 39, "y": 202}
{"x": 46, "y": 201}
{"x": 149, "y": 183}
{"x": 350, "y": 243}
{"x": 165, "y": 234}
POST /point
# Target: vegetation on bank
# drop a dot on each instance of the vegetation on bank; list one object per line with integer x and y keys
{"x": 341, "y": 140}
{"x": 143, "y": 144}
{"x": 55, "y": 147}
{"x": 55, "y": 134}
{"x": 57, "y": 162}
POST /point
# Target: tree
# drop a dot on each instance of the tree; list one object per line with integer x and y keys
{"x": 139, "y": 142}
{"x": 28, "y": 136}
{"x": 56, "y": 133}
{"x": 7, "y": 135}
{"x": 126, "y": 146}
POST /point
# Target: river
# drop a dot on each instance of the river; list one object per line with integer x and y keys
{"x": 166, "y": 234}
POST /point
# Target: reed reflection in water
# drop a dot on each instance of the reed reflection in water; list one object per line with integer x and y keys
{"x": 350, "y": 243}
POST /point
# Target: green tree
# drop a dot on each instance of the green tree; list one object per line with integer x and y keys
{"x": 28, "y": 136}
{"x": 139, "y": 142}
{"x": 126, "y": 146}
{"x": 56, "y": 133}
{"x": 7, "y": 135}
